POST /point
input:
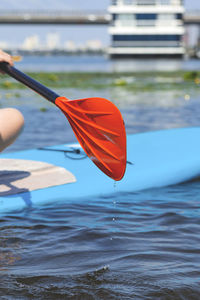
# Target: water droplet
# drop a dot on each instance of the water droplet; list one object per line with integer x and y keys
{"x": 115, "y": 184}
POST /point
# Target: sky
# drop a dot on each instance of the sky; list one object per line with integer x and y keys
{"x": 70, "y": 4}
{"x": 78, "y": 34}
{"x": 54, "y": 4}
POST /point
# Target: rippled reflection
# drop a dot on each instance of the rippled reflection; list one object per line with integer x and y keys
{"x": 136, "y": 244}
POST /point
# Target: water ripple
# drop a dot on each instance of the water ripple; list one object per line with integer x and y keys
{"x": 134, "y": 246}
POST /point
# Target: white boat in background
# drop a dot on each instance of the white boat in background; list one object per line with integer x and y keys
{"x": 146, "y": 28}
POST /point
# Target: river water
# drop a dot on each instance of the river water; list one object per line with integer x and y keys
{"x": 103, "y": 63}
{"x": 143, "y": 245}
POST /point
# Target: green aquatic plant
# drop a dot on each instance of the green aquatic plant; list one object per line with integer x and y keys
{"x": 197, "y": 80}
{"x": 17, "y": 95}
{"x": 120, "y": 82}
{"x": 53, "y": 77}
{"x": 43, "y": 109}
{"x": 191, "y": 75}
{"x": 138, "y": 81}
{"x": 8, "y": 95}
{"x": 7, "y": 84}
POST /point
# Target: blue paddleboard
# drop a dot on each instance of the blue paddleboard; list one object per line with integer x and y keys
{"x": 154, "y": 159}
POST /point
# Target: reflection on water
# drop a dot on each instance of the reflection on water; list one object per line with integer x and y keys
{"x": 102, "y": 63}
{"x": 140, "y": 65}
{"x": 9, "y": 248}
{"x": 142, "y": 245}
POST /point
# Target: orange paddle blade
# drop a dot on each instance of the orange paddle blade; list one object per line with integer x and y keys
{"x": 99, "y": 128}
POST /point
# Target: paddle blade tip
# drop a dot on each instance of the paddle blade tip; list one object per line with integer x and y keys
{"x": 100, "y": 130}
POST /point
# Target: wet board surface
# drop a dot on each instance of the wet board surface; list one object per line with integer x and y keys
{"x": 155, "y": 159}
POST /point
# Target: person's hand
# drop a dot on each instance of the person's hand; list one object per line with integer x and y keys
{"x": 6, "y": 58}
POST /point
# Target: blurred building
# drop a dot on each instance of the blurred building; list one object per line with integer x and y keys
{"x": 146, "y": 28}
{"x": 70, "y": 46}
{"x": 31, "y": 43}
{"x": 94, "y": 45}
{"x": 52, "y": 41}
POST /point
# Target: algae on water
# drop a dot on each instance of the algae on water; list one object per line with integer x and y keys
{"x": 140, "y": 81}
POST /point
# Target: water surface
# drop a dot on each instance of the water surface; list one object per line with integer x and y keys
{"x": 102, "y": 63}
{"x": 143, "y": 245}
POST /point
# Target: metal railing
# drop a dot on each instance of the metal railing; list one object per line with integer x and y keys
{"x": 54, "y": 17}
{"x": 90, "y": 17}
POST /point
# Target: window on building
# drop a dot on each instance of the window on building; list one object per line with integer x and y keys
{"x": 146, "y": 2}
{"x": 147, "y": 44}
{"x": 149, "y": 37}
{"x": 146, "y": 19}
{"x": 170, "y": 2}
{"x": 179, "y": 16}
{"x": 146, "y": 16}
{"x": 176, "y": 2}
{"x": 164, "y": 2}
{"x": 124, "y": 19}
{"x": 125, "y": 16}
{"x": 114, "y": 2}
{"x": 168, "y": 17}
{"x": 128, "y": 2}
{"x": 145, "y": 23}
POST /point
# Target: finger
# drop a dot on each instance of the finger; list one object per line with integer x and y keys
{"x": 7, "y": 58}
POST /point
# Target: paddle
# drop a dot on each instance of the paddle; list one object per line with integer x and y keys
{"x": 96, "y": 122}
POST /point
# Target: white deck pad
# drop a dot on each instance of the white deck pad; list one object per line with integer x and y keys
{"x": 18, "y": 176}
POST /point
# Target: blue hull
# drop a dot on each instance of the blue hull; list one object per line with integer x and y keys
{"x": 155, "y": 159}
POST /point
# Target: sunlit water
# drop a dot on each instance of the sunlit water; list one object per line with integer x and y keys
{"x": 143, "y": 245}
{"x": 103, "y": 63}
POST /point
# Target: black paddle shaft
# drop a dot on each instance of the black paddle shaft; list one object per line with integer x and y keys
{"x": 28, "y": 81}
